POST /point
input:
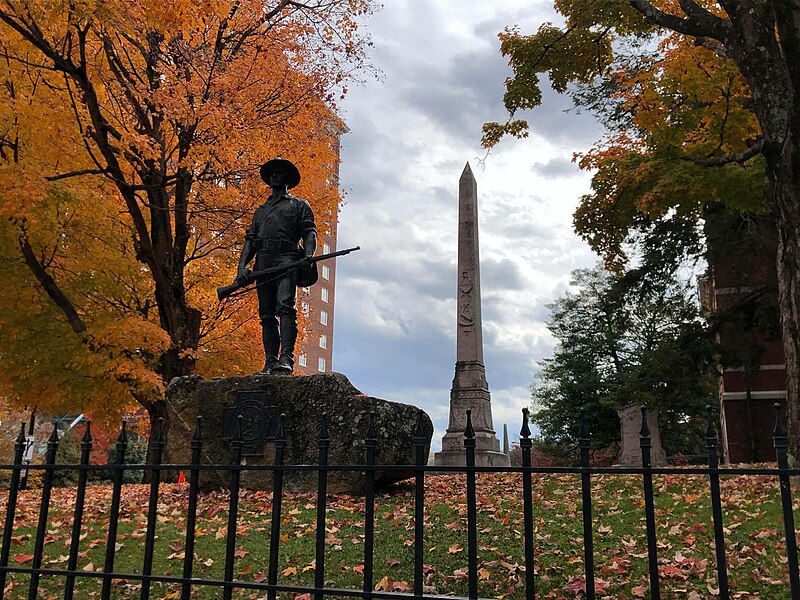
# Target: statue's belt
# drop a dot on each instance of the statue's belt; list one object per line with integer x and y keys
{"x": 274, "y": 246}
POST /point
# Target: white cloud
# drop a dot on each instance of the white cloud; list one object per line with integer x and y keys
{"x": 411, "y": 135}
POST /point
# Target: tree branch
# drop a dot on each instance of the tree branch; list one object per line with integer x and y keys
{"x": 49, "y": 285}
{"x": 76, "y": 174}
{"x": 721, "y": 161}
{"x": 702, "y": 24}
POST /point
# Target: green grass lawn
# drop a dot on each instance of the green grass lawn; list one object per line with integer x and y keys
{"x": 754, "y": 538}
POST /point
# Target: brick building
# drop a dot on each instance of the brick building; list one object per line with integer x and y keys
{"x": 315, "y": 354}
{"x": 740, "y": 291}
{"x": 316, "y": 302}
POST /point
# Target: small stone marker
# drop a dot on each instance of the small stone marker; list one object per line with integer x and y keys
{"x": 630, "y": 454}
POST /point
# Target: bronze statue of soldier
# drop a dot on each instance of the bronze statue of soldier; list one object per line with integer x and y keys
{"x": 273, "y": 238}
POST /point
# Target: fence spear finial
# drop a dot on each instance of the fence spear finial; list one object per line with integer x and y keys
{"x": 525, "y": 432}
{"x": 469, "y": 432}
{"x": 53, "y": 439}
{"x": 323, "y": 435}
{"x": 123, "y": 433}
{"x": 198, "y": 429}
{"x": 583, "y": 431}
{"x": 87, "y": 433}
{"x": 645, "y": 430}
{"x": 280, "y": 433}
{"x": 711, "y": 431}
{"x": 780, "y": 430}
{"x": 21, "y": 437}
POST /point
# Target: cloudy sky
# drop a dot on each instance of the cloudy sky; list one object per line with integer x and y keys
{"x": 411, "y": 135}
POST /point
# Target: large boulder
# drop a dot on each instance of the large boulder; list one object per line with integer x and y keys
{"x": 303, "y": 400}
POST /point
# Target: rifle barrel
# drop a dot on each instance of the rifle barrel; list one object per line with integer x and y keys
{"x": 226, "y": 290}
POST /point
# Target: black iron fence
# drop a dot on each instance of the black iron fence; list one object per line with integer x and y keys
{"x": 319, "y": 590}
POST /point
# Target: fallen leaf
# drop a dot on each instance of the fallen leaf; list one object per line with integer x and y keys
{"x": 384, "y": 585}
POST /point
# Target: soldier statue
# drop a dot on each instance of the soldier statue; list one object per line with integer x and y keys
{"x": 279, "y": 225}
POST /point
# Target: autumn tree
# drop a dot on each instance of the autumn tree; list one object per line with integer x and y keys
{"x": 717, "y": 104}
{"x": 132, "y": 132}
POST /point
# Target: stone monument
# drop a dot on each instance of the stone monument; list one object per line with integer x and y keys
{"x": 304, "y": 400}
{"x": 470, "y": 390}
{"x": 630, "y": 454}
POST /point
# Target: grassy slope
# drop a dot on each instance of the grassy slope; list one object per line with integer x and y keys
{"x": 754, "y": 538}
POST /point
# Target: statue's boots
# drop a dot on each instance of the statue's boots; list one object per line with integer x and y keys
{"x": 271, "y": 339}
{"x": 288, "y": 337}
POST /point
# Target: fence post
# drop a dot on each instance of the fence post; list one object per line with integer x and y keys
{"x": 323, "y": 442}
{"x": 649, "y": 507}
{"x": 44, "y": 508}
{"x": 716, "y": 505}
{"x": 191, "y": 510}
{"x": 77, "y": 518}
{"x": 527, "y": 506}
{"x": 11, "y": 508}
{"x": 780, "y": 441}
{"x": 277, "y": 500}
{"x": 233, "y": 508}
{"x": 586, "y": 500}
{"x": 152, "y": 508}
{"x": 116, "y": 494}
{"x": 419, "y": 505}
{"x": 370, "y": 441}
{"x": 472, "y": 517}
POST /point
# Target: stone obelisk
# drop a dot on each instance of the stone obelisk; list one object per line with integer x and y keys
{"x": 470, "y": 390}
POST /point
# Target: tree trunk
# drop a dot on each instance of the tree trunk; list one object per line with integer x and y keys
{"x": 783, "y": 179}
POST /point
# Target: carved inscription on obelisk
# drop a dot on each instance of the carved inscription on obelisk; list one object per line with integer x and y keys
{"x": 470, "y": 390}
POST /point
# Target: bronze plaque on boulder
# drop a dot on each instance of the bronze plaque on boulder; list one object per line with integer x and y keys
{"x": 259, "y": 421}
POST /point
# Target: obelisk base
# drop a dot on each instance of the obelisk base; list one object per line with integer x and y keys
{"x": 487, "y": 452}
{"x": 470, "y": 392}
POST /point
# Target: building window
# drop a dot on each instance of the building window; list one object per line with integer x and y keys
{"x": 323, "y": 317}
{"x": 324, "y": 293}
{"x": 326, "y": 249}
{"x": 323, "y": 341}
{"x": 326, "y": 272}
{"x": 302, "y": 360}
{"x": 304, "y": 306}
{"x": 321, "y": 364}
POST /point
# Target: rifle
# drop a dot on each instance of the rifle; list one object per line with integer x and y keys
{"x": 225, "y": 291}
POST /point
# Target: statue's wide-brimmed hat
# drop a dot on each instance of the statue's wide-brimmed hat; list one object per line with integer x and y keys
{"x": 292, "y": 173}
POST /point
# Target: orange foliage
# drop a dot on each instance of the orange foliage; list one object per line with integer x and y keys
{"x": 131, "y": 132}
